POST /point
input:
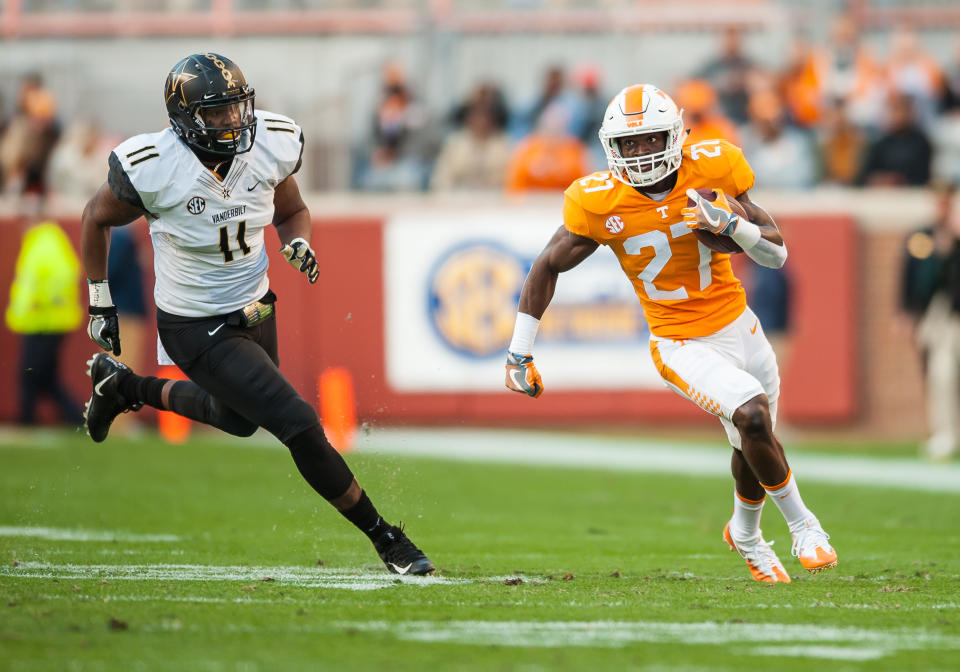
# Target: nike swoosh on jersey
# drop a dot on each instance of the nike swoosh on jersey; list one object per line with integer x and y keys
{"x": 754, "y": 330}
{"x": 255, "y": 185}
{"x": 96, "y": 388}
{"x": 518, "y": 379}
{"x": 401, "y": 570}
{"x": 211, "y": 333}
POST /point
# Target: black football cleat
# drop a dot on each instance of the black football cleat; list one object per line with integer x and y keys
{"x": 400, "y": 555}
{"x": 106, "y": 402}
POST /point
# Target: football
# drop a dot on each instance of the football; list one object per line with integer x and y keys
{"x": 715, "y": 242}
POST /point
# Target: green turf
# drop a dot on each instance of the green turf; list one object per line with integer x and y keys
{"x": 620, "y": 570}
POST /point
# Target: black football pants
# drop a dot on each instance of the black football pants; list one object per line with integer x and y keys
{"x": 237, "y": 368}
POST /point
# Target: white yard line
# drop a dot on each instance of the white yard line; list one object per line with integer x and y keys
{"x": 622, "y": 633}
{"x": 68, "y": 534}
{"x": 856, "y": 653}
{"x": 295, "y": 576}
{"x": 580, "y": 451}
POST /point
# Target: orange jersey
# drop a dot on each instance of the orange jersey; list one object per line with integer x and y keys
{"x": 686, "y": 289}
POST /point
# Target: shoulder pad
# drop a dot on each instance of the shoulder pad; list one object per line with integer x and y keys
{"x": 280, "y": 142}
{"x": 597, "y": 193}
{"x": 152, "y": 161}
{"x": 720, "y": 161}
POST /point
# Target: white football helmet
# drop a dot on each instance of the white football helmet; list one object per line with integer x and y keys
{"x": 636, "y": 110}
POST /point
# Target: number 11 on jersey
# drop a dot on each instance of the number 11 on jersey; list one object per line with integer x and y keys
{"x": 225, "y": 241}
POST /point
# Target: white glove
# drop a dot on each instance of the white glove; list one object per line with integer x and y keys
{"x": 300, "y": 255}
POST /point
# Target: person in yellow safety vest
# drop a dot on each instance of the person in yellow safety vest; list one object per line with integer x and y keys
{"x": 45, "y": 305}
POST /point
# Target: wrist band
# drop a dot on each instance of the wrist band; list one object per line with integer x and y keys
{"x": 99, "y": 293}
{"x": 524, "y": 332}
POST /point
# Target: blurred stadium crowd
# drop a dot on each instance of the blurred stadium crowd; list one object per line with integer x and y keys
{"x": 836, "y": 113}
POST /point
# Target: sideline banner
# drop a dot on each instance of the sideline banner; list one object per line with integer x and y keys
{"x": 451, "y": 285}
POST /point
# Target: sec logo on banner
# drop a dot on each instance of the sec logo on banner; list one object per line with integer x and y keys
{"x": 472, "y": 297}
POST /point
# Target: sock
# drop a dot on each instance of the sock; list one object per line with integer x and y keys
{"x": 145, "y": 389}
{"x": 745, "y": 524}
{"x": 364, "y": 515}
{"x": 786, "y": 496}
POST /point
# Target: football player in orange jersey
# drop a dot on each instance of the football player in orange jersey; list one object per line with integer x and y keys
{"x": 705, "y": 341}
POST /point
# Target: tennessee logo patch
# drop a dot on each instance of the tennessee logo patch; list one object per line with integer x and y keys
{"x": 614, "y": 224}
{"x": 196, "y": 205}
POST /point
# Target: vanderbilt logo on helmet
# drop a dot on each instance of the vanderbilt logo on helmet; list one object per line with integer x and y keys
{"x": 196, "y": 205}
{"x": 614, "y": 224}
{"x": 227, "y": 75}
{"x": 175, "y": 81}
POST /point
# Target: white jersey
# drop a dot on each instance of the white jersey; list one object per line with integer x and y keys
{"x": 207, "y": 233}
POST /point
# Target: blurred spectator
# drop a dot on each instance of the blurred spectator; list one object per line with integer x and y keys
{"x": 782, "y": 157}
{"x": 550, "y": 158}
{"x": 476, "y": 156}
{"x": 125, "y": 275}
{"x": 769, "y": 294}
{"x": 553, "y": 93}
{"x": 911, "y": 71}
{"x": 396, "y": 163}
{"x": 800, "y": 84}
{"x": 489, "y": 95}
{"x": 945, "y": 132}
{"x": 76, "y": 164}
{"x": 729, "y": 73}
{"x": 45, "y": 306}
{"x": 850, "y": 73}
{"x": 29, "y": 138}
{"x": 951, "y": 89}
{"x": 930, "y": 298}
{"x": 945, "y": 136}
{"x": 843, "y": 70}
{"x": 842, "y": 146}
{"x": 701, "y": 114}
{"x": 588, "y": 108}
{"x": 902, "y": 155}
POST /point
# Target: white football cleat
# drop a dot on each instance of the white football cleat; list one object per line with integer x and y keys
{"x": 764, "y": 564}
{"x": 811, "y": 546}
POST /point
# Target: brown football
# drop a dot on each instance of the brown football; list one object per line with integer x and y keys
{"x": 715, "y": 242}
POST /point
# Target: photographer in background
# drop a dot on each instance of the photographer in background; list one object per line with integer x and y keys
{"x": 930, "y": 296}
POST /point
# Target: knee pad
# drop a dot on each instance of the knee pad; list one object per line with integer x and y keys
{"x": 292, "y": 417}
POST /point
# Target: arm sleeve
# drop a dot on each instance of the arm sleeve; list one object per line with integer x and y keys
{"x": 768, "y": 254}
{"x": 120, "y": 184}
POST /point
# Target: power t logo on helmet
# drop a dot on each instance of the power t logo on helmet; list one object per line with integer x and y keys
{"x": 638, "y": 109}
{"x": 210, "y": 105}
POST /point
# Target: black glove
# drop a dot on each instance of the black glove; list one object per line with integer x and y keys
{"x": 104, "y": 328}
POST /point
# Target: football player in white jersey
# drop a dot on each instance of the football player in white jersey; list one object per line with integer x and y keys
{"x": 208, "y": 186}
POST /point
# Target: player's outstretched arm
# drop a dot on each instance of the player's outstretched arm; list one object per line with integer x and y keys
{"x": 101, "y": 212}
{"x": 770, "y": 249}
{"x": 294, "y": 227}
{"x": 564, "y": 251}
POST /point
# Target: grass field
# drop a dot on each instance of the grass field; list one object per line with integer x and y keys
{"x": 216, "y": 556}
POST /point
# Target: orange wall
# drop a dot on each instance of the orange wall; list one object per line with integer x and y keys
{"x": 339, "y": 322}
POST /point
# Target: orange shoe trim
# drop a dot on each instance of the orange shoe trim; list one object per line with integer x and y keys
{"x": 823, "y": 561}
{"x": 757, "y": 574}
